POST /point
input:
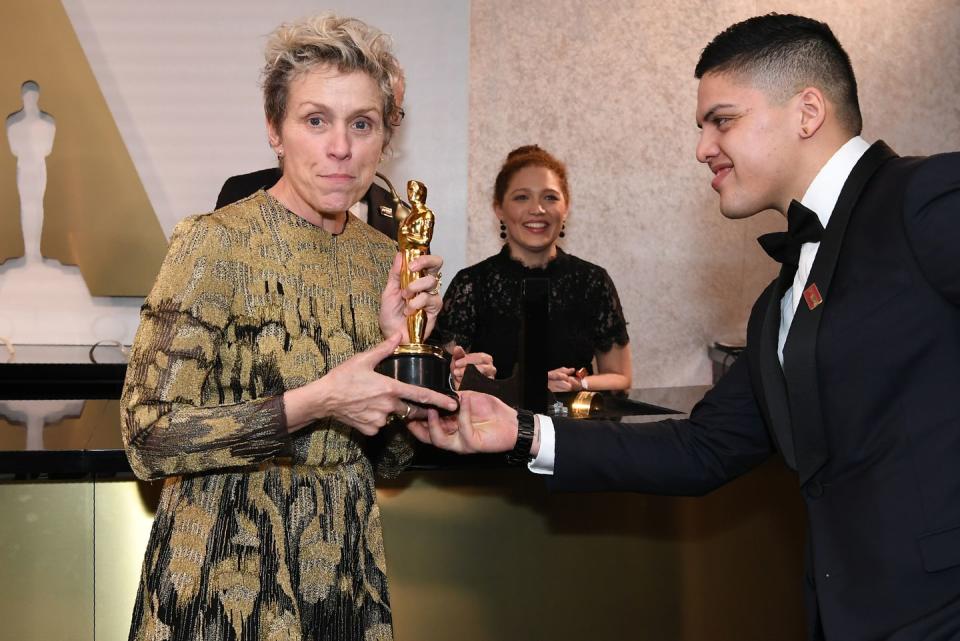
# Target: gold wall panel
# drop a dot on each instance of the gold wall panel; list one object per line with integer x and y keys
{"x": 69, "y": 425}
{"x": 97, "y": 428}
{"x": 124, "y": 516}
{"x": 491, "y": 554}
{"x": 96, "y": 211}
{"x": 473, "y": 555}
{"x": 46, "y": 561}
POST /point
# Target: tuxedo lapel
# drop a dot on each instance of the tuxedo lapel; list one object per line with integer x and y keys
{"x": 771, "y": 374}
{"x": 799, "y": 352}
{"x": 381, "y": 211}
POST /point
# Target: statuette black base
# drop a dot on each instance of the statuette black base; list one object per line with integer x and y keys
{"x": 421, "y": 365}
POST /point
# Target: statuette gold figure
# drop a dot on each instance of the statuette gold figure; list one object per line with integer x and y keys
{"x": 416, "y": 362}
{"x": 413, "y": 236}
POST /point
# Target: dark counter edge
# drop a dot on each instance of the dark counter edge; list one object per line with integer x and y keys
{"x": 52, "y": 464}
{"x": 94, "y": 381}
{"x": 63, "y": 463}
{"x": 78, "y": 464}
{"x": 42, "y": 381}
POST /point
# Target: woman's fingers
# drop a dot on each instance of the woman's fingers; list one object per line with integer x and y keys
{"x": 460, "y": 360}
{"x": 366, "y": 400}
{"x": 429, "y": 282}
{"x": 396, "y": 268}
{"x": 432, "y": 303}
{"x": 423, "y": 396}
{"x": 427, "y": 262}
{"x": 482, "y": 361}
{"x": 424, "y": 284}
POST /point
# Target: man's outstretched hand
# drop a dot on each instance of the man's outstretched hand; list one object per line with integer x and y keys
{"x": 484, "y": 424}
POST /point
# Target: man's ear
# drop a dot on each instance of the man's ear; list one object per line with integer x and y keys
{"x": 813, "y": 111}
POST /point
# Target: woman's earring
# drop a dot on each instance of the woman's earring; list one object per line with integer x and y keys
{"x": 503, "y": 231}
{"x": 563, "y": 230}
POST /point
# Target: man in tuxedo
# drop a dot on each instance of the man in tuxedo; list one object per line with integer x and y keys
{"x": 852, "y": 364}
{"x": 376, "y": 207}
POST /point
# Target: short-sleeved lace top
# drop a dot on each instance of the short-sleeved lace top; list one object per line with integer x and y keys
{"x": 481, "y": 310}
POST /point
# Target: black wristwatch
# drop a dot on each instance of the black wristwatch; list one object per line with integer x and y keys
{"x": 520, "y": 455}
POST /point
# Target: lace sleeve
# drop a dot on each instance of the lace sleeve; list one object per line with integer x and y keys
{"x": 457, "y": 321}
{"x": 610, "y": 326}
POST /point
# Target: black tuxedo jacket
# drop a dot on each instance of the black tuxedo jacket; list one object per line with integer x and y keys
{"x": 865, "y": 409}
{"x": 378, "y": 199}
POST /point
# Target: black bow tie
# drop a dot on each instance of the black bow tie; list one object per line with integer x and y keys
{"x": 803, "y": 226}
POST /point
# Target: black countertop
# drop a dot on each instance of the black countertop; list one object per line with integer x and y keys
{"x": 60, "y": 415}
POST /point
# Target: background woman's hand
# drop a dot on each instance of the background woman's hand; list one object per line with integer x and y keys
{"x": 483, "y": 424}
{"x": 460, "y": 359}
{"x": 354, "y": 394}
{"x": 563, "y": 379}
{"x": 397, "y": 303}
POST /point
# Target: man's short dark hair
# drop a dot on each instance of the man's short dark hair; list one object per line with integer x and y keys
{"x": 782, "y": 54}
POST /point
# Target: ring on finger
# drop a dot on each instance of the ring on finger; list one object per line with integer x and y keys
{"x": 436, "y": 288}
{"x": 406, "y": 414}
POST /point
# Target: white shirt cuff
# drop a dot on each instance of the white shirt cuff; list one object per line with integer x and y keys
{"x": 543, "y": 463}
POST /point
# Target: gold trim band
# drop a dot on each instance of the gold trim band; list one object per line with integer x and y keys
{"x": 419, "y": 348}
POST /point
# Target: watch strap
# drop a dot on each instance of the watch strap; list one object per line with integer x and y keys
{"x": 520, "y": 455}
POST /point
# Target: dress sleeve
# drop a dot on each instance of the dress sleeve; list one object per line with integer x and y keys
{"x": 173, "y": 416}
{"x": 609, "y": 324}
{"x": 932, "y": 222}
{"x": 458, "y": 318}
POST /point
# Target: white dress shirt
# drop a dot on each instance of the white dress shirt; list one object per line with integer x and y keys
{"x": 821, "y": 197}
{"x": 359, "y": 209}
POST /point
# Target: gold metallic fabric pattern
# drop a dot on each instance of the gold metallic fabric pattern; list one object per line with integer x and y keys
{"x": 259, "y": 534}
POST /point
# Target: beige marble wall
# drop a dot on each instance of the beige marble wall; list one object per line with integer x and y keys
{"x": 608, "y": 86}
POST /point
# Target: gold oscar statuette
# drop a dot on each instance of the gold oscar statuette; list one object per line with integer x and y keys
{"x": 416, "y": 362}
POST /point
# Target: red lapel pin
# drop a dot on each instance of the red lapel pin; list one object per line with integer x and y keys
{"x": 812, "y": 295}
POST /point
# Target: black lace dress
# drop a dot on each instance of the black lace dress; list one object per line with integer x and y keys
{"x": 481, "y": 310}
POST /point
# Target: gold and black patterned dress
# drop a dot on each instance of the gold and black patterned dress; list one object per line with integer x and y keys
{"x": 258, "y": 534}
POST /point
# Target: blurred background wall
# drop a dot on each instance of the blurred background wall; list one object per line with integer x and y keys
{"x": 604, "y": 84}
{"x": 608, "y": 86}
{"x": 181, "y": 80}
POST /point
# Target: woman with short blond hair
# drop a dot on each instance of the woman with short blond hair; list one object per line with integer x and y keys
{"x": 251, "y": 386}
